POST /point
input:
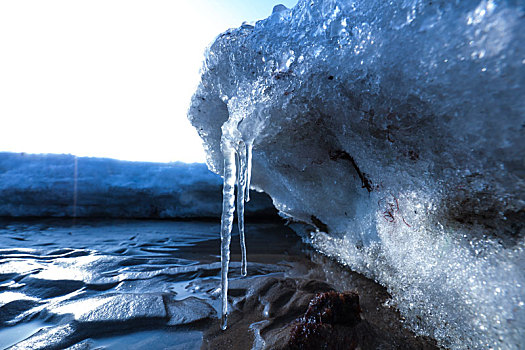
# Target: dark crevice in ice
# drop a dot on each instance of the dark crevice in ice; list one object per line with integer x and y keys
{"x": 319, "y": 224}
{"x": 340, "y": 154}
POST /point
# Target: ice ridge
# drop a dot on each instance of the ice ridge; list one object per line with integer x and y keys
{"x": 397, "y": 130}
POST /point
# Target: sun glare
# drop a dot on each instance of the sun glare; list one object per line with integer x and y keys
{"x": 109, "y": 78}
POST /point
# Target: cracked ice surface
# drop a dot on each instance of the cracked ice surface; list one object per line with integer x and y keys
{"x": 396, "y": 129}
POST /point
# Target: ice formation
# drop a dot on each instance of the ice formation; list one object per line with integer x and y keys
{"x": 235, "y": 153}
{"x": 396, "y": 129}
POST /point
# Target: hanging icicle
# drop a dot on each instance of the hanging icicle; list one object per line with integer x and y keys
{"x": 241, "y": 191}
{"x": 249, "y": 146}
{"x": 236, "y": 148}
{"x": 237, "y": 168}
{"x": 228, "y": 209}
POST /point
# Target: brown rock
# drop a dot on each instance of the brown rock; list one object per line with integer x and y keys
{"x": 332, "y": 321}
{"x": 332, "y": 308}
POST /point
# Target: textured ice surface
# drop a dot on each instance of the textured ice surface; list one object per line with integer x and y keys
{"x": 396, "y": 129}
{"x": 116, "y": 280}
{"x": 46, "y": 185}
{"x": 114, "y": 308}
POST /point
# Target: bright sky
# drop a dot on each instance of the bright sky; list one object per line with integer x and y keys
{"x": 108, "y": 78}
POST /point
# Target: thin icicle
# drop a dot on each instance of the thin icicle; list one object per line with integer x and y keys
{"x": 249, "y": 146}
{"x": 241, "y": 190}
{"x": 228, "y": 209}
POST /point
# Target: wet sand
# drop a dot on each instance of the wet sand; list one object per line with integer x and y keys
{"x": 127, "y": 284}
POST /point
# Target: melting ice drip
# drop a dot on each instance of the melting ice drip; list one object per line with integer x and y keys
{"x": 237, "y": 170}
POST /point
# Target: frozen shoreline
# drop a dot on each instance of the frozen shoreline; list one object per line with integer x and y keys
{"x": 131, "y": 284}
{"x": 44, "y": 186}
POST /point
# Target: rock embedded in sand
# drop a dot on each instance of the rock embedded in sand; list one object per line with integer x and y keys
{"x": 334, "y": 308}
{"x": 331, "y": 322}
{"x": 284, "y": 313}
